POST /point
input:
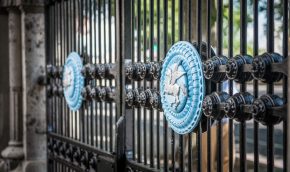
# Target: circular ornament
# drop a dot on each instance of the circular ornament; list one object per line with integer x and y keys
{"x": 182, "y": 87}
{"x": 73, "y": 81}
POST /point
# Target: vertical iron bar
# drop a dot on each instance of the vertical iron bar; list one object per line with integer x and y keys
{"x": 105, "y": 61}
{"x": 110, "y": 61}
{"x": 60, "y": 58}
{"x": 219, "y": 27}
{"x": 256, "y": 51}
{"x": 91, "y": 121}
{"x": 81, "y": 111}
{"x": 287, "y": 120}
{"x": 189, "y": 39}
{"x": 285, "y": 89}
{"x": 65, "y": 50}
{"x": 64, "y": 107}
{"x": 56, "y": 117}
{"x": 94, "y": 56}
{"x": 95, "y": 115}
{"x": 121, "y": 53}
{"x": 74, "y": 46}
{"x": 85, "y": 52}
{"x": 116, "y": 48}
{"x": 89, "y": 60}
{"x": 132, "y": 82}
{"x": 243, "y": 164}
{"x": 79, "y": 26}
{"x": 243, "y": 18}
{"x": 126, "y": 55}
{"x": 77, "y": 114}
{"x": 144, "y": 50}
{"x": 74, "y": 26}
{"x": 208, "y": 85}
{"x": 138, "y": 84}
{"x": 270, "y": 148}
{"x": 100, "y": 61}
{"x": 49, "y": 54}
{"x": 219, "y": 85}
{"x": 180, "y": 23}
{"x": 48, "y": 31}
{"x": 62, "y": 47}
{"x": 53, "y": 62}
{"x": 199, "y": 39}
{"x": 70, "y": 18}
{"x": 173, "y": 40}
{"x": 270, "y": 25}
{"x": 165, "y": 129}
{"x": 230, "y": 54}
{"x": 243, "y": 50}
{"x": 158, "y": 59}
{"x": 270, "y": 48}
{"x": 151, "y": 8}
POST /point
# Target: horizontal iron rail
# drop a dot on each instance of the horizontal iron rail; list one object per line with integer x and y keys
{"x": 140, "y": 167}
{"x": 82, "y": 145}
{"x": 66, "y": 163}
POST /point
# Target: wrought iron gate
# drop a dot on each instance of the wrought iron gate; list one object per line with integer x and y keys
{"x": 120, "y": 125}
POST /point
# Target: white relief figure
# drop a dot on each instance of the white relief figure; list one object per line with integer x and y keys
{"x": 67, "y": 78}
{"x": 171, "y": 87}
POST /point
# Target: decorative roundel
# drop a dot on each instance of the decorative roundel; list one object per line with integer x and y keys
{"x": 182, "y": 87}
{"x": 73, "y": 81}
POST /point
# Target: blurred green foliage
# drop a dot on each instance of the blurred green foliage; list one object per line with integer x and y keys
{"x": 174, "y": 10}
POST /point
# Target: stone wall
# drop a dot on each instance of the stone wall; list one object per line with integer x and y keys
{"x": 26, "y": 149}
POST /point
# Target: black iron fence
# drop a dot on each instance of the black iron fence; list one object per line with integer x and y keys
{"x": 121, "y": 126}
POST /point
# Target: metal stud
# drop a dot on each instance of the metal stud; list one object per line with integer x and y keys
{"x": 234, "y": 106}
{"x": 239, "y": 68}
{"x": 261, "y": 67}
{"x": 213, "y": 105}
{"x": 214, "y": 68}
{"x": 261, "y": 109}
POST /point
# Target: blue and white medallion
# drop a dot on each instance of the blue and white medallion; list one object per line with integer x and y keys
{"x": 73, "y": 81}
{"x": 182, "y": 87}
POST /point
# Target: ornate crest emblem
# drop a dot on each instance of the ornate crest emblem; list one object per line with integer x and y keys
{"x": 182, "y": 87}
{"x": 73, "y": 81}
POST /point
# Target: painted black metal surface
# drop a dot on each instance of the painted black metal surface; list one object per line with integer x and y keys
{"x": 121, "y": 126}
